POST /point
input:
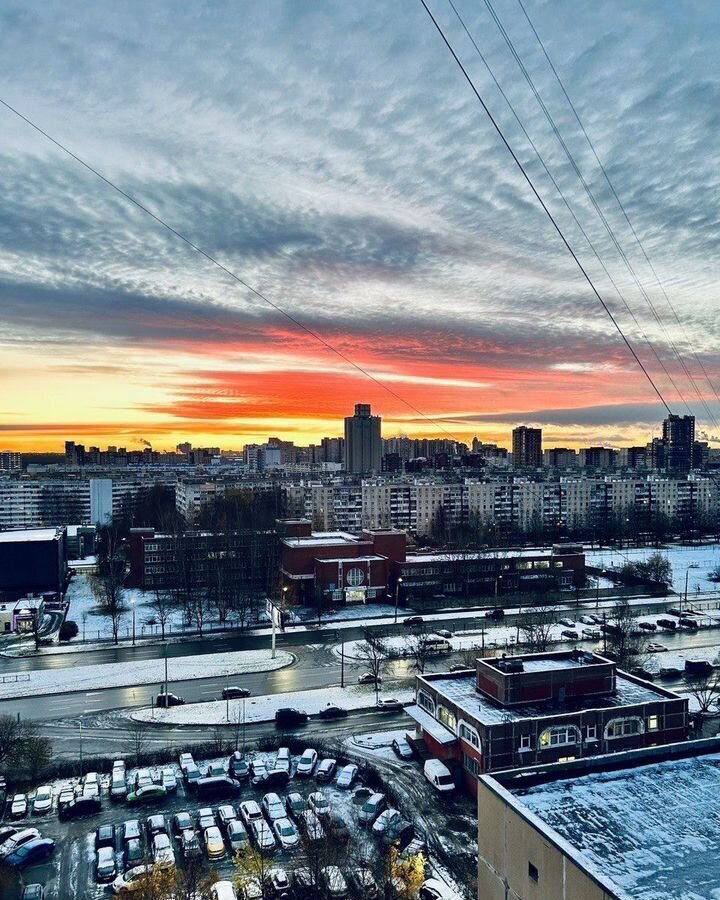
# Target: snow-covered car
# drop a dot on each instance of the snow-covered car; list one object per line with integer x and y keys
{"x": 190, "y": 845}
{"x": 592, "y": 634}
{"x": 214, "y": 769}
{"x": 17, "y": 840}
{"x": 402, "y": 749}
{"x": 389, "y": 704}
{"x": 337, "y": 828}
{"x": 306, "y": 763}
{"x": 282, "y": 760}
{"x": 214, "y": 844}
{"x": 587, "y": 620}
{"x": 295, "y": 804}
{"x": 226, "y": 814}
{"x": 286, "y": 833}
{"x": 18, "y": 806}
{"x": 372, "y": 808}
{"x": 363, "y": 884}
{"x": 134, "y": 880}
{"x": 443, "y": 632}
{"x": 155, "y": 824}
{"x": 169, "y": 780}
{"x": 312, "y": 826}
{"x": 434, "y": 889}
{"x": 273, "y": 807}
{"x": 238, "y": 767}
{"x": 130, "y": 830}
{"x": 182, "y": 821}
{"x": 250, "y": 812}
{"x": 570, "y": 634}
{"x": 347, "y": 776}
{"x": 654, "y": 647}
{"x": 568, "y": 623}
{"x": 318, "y": 803}
{"x": 43, "y": 801}
{"x": 277, "y": 884}
{"x": 206, "y": 818}
{"x": 105, "y": 835}
{"x": 162, "y": 851}
{"x": 237, "y": 835}
{"x": 251, "y": 890}
{"x": 185, "y": 760}
{"x": 262, "y": 835}
{"x": 333, "y": 882}
{"x": 369, "y": 678}
{"x": 223, "y": 890}
{"x": 384, "y": 820}
{"x": 326, "y": 770}
{"x": 258, "y": 771}
{"x": 65, "y": 798}
{"x": 105, "y": 868}
{"x": 133, "y": 853}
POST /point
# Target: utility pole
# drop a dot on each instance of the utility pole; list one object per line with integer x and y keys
{"x": 342, "y": 663}
{"x": 227, "y": 697}
{"x": 166, "y": 674}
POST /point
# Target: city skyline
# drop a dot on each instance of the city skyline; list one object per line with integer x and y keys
{"x": 359, "y": 187}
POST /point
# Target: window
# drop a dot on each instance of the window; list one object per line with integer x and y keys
{"x": 447, "y": 718}
{"x": 591, "y": 733}
{"x": 471, "y": 765}
{"x": 618, "y": 728}
{"x": 559, "y": 736}
{"x": 652, "y": 723}
{"x": 533, "y": 873}
{"x": 426, "y": 702}
{"x": 469, "y": 734}
{"x": 524, "y": 741}
{"x": 355, "y": 577}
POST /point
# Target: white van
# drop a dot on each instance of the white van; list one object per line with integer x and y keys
{"x": 223, "y": 890}
{"x": 433, "y": 643}
{"x": 439, "y": 776}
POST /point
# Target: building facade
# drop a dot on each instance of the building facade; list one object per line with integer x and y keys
{"x": 527, "y": 447}
{"x": 33, "y": 560}
{"x": 363, "y": 442}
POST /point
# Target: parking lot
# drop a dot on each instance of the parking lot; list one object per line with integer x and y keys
{"x": 70, "y": 874}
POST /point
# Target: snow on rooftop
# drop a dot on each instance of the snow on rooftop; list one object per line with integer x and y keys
{"x": 28, "y": 534}
{"x": 653, "y": 830}
{"x": 322, "y": 538}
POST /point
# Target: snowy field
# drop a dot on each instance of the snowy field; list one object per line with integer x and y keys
{"x": 127, "y": 674}
{"x": 706, "y": 557}
{"x": 264, "y": 707}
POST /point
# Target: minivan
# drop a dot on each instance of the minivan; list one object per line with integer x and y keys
{"x": 371, "y": 809}
{"x": 439, "y": 776}
{"x": 216, "y": 784}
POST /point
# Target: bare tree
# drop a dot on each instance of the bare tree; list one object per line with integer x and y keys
{"x": 625, "y": 640}
{"x": 108, "y": 583}
{"x": 705, "y": 689}
{"x": 373, "y": 651}
{"x": 535, "y": 626}
{"x": 192, "y": 882}
{"x": 22, "y": 747}
{"x": 418, "y": 649}
{"x": 137, "y": 739}
{"x": 161, "y": 603}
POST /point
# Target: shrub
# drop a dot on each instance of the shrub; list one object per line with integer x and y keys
{"x": 68, "y": 630}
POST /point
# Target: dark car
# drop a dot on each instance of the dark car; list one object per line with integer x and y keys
{"x": 304, "y": 884}
{"x": 698, "y": 667}
{"x": 216, "y": 785}
{"x": 647, "y": 626}
{"x": 332, "y": 712}
{"x": 670, "y": 672}
{"x": 287, "y": 717}
{"x": 81, "y": 806}
{"x": 34, "y": 851}
{"x": 337, "y": 828}
{"x": 105, "y": 836}
{"x": 497, "y": 613}
{"x": 276, "y": 778}
{"x": 687, "y": 622}
{"x": 235, "y": 693}
{"x": 182, "y": 821}
{"x": 669, "y": 624}
{"x": 165, "y": 700}
{"x": 33, "y": 892}
{"x": 413, "y": 620}
{"x": 402, "y": 749}
{"x": 133, "y": 853}
{"x": 238, "y": 767}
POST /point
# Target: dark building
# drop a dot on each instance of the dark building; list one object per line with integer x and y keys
{"x": 363, "y": 444}
{"x": 679, "y": 441}
{"x": 518, "y": 711}
{"x": 33, "y": 561}
{"x": 598, "y": 457}
{"x": 527, "y": 447}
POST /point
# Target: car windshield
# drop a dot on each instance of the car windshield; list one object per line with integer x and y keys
{"x": 445, "y": 779}
{"x": 286, "y": 830}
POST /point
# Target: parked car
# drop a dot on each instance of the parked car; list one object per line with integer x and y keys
{"x": 133, "y": 880}
{"x": 337, "y": 828}
{"x": 145, "y": 794}
{"x": 65, "y": 797}
{"x": 286, "y": 833}
{"x": 654, "y": 647}
{"x": 8, "y": 831}
{"x": 326, "y": 770}
{"x": 670, "y": 673}
{"x": 213, "y": 769}
{"x": 443, "y": 632}
{"x": 273, "y": 807}
{"x": 389, "y": 704}
{"x": 17, "y": 840}
{"x": 592, "y": 634}
{"x": 277, "y": 885}
{"x": 105, "y": 835}
{"x": 496, "y": 614}
{"x": 369, "y": 678}
{"x": 91, "y": 785}
{"x": 223, "y": 890}
{"x": 587, "y": 620}
{"x": 164, "y": 700}
{"x": 647, "y": 626}
{"x": 333, "y": 883}
{"x": 318, "y": 803}
{"x": 570, "y": 634}
{"x": 439, "y": 776}
{"x": 192, "y": 775}
{"x": 118, "y": 784}
{"x": 402, "y": 749}
{"x": 640, "y": 672}
{"x": 237, "y": 835}
{"x": 43, "y": 800}
{"x": 169, "y": 780}
{"x": 258, "y": 771}
{"x": 182, "y": 821}
{"x": 312, "y": 826}
{"x": 434, "y": 889}
{"x": 411, "y": 621}
{"x": 295, "y": 804}
{"x": 251, "y": 890}
{"x": 668, "y": 624}
{"x": 287, "y": 717}
{"x": 155, "y": 824}
{"x": 372, "y": 808}
{"x": 31, "y": 853}
{"x": 262, "y": 835}
{"x": 238, "y": 767}
{"x": 215, "y": 785}
{"x": 185, "y": 760}
{"x": 33, "y": 892}
{"x": 347, "y": 776}
{"x": 190, "y": 845}
{"x": 399, "y": 832}
{"x": 132, "y": 853}
{"x": 79, "y": 807}
{"x": 214, "y": 844}
{"x": 250, "y": 812}
{"x": 162, "y": 852}
{"x": 306, "y": 763}
{"x": 304, "y": 884}
{"x": 18, "y": 806}
{"x": 131, "y": 830}
{"x": 689, "y": 623}
{"x": 233, "y": 692}
{"x": 105, "y": 868}
{"x": 333, "y": 712}
{"x": 206, "y": 818}
{"x": 382, "y": 822}
{"x": 363, "y": 883}
{"x": 226, "y": 814}
{"x": 567, "y": 622}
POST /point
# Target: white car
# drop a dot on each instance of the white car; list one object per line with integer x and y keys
{"x": 18, "y": 806}
{"x": 43, "y": 800}
{"x": 587, "y": 620}
{"x": 214, "y": 844}
{"x": 250, "y": 812}
{"x": 318, "y": 803}
{"x": 592, "y": 634}
{"x": 313, "y": 826}
{"x": 133, "y": 880}
{"x": 169, "y": 780}
{"x": 653, "y": 647}
{"x": 273, "y": 807}
{"x": 306, "y": 763}
{"x": 91, "y": 785}
{"x": 347, "y": 776}
{"x": 105, "y": 868}
{"x": 206, "y": 818}
{"x": 568, "y": 623}
{"x": 163, "y": 853}
{"x": 282, "y": 760}
{"x": 17, "y": 840}
{"x": 186, "y": 760}
{"x": 223, "y": 890}
{"x": 262, "y": 833}
{"x": 385, "y": 820}
{"x": 286, "y": 833}
{"x": 333, "y": 880}
{"x": 237, "y": 835}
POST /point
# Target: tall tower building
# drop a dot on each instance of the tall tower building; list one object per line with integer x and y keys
{"x": 679, "y": 441}
{"x": 363, "y": 444}
{"x": 527, "y": 447}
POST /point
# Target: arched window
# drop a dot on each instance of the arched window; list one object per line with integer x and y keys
{"x": 469, "y": 734}
{"x": 559, "y": 736}
{"x": 447, "y": 718}
{"x": 618, "y": 728}
{"x": 426, "y": 702}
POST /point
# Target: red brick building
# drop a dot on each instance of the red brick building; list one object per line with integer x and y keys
{"x": 512, "y": 712}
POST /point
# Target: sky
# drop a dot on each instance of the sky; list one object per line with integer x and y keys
{"x": 333, "y": 157}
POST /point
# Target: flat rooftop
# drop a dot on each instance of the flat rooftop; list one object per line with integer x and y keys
{"x": 28, "y": 534}
{"x": 538, "y": 554}
{"x": 650, "y": 831}
{"x": 323, "y": 539}
{"x": 460, "y": 688}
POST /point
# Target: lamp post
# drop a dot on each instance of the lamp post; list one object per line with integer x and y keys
{"x": 227, "y": 697}
{"x": 687, "y": 573}
{"x": 397, "y": 596}
{"x": 132, "y": 603}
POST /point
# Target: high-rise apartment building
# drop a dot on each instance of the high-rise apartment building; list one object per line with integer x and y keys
{"x": 679, "y": 441}
{"x": 363, "y": 444}
{"x": 527, "y": 447}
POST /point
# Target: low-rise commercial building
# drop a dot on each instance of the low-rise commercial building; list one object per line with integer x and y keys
{"x": 542, "y": 708}
{"x": 31, "y": 560}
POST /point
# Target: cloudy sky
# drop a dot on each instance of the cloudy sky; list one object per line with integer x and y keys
{"x": 332, "y": 155}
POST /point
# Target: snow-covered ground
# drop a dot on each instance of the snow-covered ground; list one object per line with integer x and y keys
{"x": 264, "y": 707}
{"x": 127, "y": 674}
{"x": 706, "y": 557}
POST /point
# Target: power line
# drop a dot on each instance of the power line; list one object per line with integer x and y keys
{"x": 545, "y": 209}
{"x": 618, "y": 200}
{"x": 565, "y": 200}
{"x": 210, "y": 258}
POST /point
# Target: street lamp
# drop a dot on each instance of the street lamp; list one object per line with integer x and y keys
{"x": 132, "y": 604}
{"x": 687, "y": 573}
{"x": 397, "y": 596}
